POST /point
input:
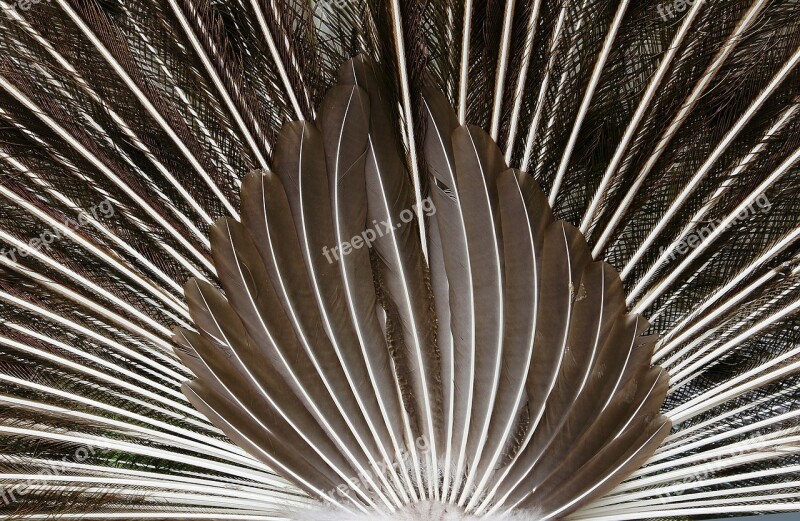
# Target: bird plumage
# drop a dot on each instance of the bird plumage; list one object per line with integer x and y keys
{"x": 411, "y": 259}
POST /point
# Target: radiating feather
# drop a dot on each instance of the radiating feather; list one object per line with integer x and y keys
{"x": 273, "y": 450}
{"x": 267, "y": 216}
{"x": 344, "y": 125}
{"x": 245, "y": 280}
{"x": 608, "y": 467}
{"x": 439, "y": 156}
{"x": 401, "y": 262}
{"x": 301, "y": 161}
{"x": 640, "y": 398}
{"x": 606, "y": 374}
{"x": 440, "y": 289}
{"x": 269, "y": 425}
{"x": 598, "y": 304}
{"x": 162, "y": 107}
{"x": 522, "y": 279}
{"x": 478, "y": 162}
{"x": 565, "y": 256}
{"x": 233, "y": 358}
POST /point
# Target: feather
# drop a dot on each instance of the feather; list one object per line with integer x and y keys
{"x": 522, "y": 79}
{"x": 289, "y": 463}
{"x": 405, "y": 89}
{"x": 502, "y": 68}
{"x": 439, "y": 155}
{"x": 390, "y": 312}
{"x": 245, "y": 279}
{"x": 403, "y": 277}
{"x": 522, "y": 270}
{"x": 594, "y": 315}
{"x": 612, "y": 463}
{"x": 478, "y": 162}
{"x": 267, "y": 217}
{"x": 724, "y": 51}
{"x": 309, "y": 196}
{"x": 300, "y": 170}
{"x": 227, "y": 354}
{"x": 201, "y": 25}
{"x": 344, "y": 123}
{"x": 587, "y": 98}
{"x": 604, "y": 382}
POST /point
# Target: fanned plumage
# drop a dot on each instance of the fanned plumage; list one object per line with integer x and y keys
{"x": 522, "y": 357}
{"x": 402, "y": 260}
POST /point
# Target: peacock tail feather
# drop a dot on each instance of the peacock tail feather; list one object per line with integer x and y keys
{"x": 348, "y": 260}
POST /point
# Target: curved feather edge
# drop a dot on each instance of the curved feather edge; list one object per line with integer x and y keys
{"x": 533, "y": 390}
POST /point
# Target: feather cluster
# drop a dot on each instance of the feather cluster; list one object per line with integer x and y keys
{"x": 498, "y": 360}
{"x": 667, "y": 133}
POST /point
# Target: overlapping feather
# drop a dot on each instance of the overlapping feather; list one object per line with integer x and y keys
{"x": 159, "y": 109}
{"x": 544, "y": 333}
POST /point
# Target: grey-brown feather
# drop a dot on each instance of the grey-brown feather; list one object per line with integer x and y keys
{"x": 535, "y": 324}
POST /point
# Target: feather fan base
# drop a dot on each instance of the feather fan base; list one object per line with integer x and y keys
{"x": 425, "y": 511}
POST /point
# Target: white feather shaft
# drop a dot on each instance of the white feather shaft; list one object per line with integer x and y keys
{"x": 742, "y": 383}
{"x": 405, "y": 89}
{"x": 463, "y": 83}
{"x": 725, "y": 291}
{"x": 276, "y": 58}
{"x": 168, "y": 374}
{"x": 679, "y": 486}
{"x": 681, "y": 370}
{"x": 723, "y": 436}
{"x": 522, "y": 80}
{"x": 587, "y": 97}
{"x": 728, "y": 456}
{"x": 510, "y": 425}
{"x": 502, "y": 68}
{"x": 701, "y": 173}
{"x": 218, "y": 448}
{"x": 497, "y": 267}
{"x": 50, "y": 122}
{"x": 118, "y": 264}
{"x": 108, "y": 378}
{"x": 718, "y": 422}
{"x": 716, "y": 312}
{"x": 644, "y": 105}
{"x": 221, "y": 89}
{"x": 25, "y": 248}
{"x": 533, "y": 130}
{"x": 267, "y": 482}
{"x": 148, "y": 105}
{"x": 99, "y": 442}
{"x": 726, "y": 223}
{"x": 117, "y": 426}
{"x": 117, "y": 119}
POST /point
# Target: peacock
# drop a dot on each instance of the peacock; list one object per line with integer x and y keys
{"x": 401, "y": 260}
